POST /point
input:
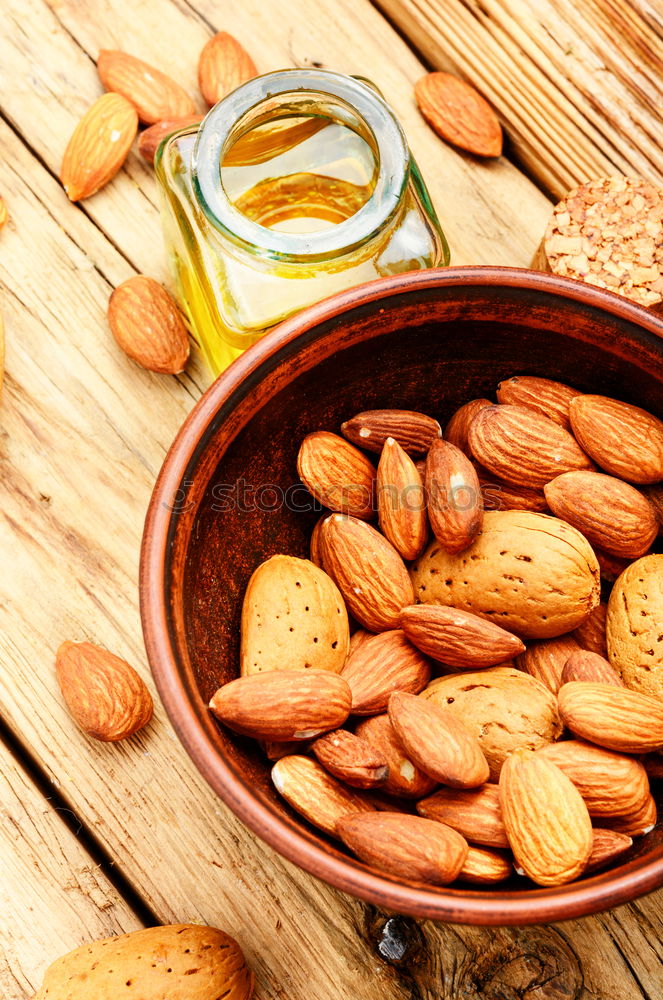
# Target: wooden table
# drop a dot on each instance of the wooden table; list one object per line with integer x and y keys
{"x": 97, "y": 839}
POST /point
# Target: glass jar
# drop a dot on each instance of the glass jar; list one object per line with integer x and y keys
{"x": 297, "y": 185}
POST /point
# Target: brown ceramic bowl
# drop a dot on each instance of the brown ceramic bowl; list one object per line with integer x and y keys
{"x": 426, "y": 341}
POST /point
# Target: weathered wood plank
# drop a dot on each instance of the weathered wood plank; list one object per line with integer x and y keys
{"x": 577, "y": 85}
{"x": 53, "y": 896}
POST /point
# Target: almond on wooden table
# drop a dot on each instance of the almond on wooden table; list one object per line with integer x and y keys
{"x": 522, "y": 446}
{"x": 98, "y": 147}
{"x": 415, "y": 432}
{"x": 591, "y": 633}
{"x": 484, "y": 866}
{"x": 459, "y": 114}
{"x": 474, "y": 812}
{"x": 550, "y": 398}
{"x": 401, "y": 501}
{"x": 613, "y": 717}
{"x": 612, "y": 784}
{"x": 315, "y": 794}
{"x": 151, "y": 137}
{"x": 281, "y": 705}
{"x": 381, "y": 664}
{"x": 584, "y": 665}
{"x": 154, "y": 94}
{"x": 148, "y": 326}
{"x": 405, "y": 779}
{"x": 455, "y": 502}
{"x": 351, "y": 759}
{"x": 410, "y": 847}
{"x": 546, "y": 660}
{"x": 103, "y": 693}
{"x": 546, "y": 819}
{"x": 337, "y": 474}
{"x": 607, "y": 846}
{"x": 223, "y": 65}
{"x": 625, "y": 440}
{"x": 437, "y": 742}
{"x": 457, "y": 430}
{"x": 458, "y": 638}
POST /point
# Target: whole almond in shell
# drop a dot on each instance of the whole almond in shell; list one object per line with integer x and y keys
{"x": 546, "y": 660}
{"x": 474, "y": 812}
{"x": 615, "y": 718}
{"x": 154, "y": 95}
{"x": 415, "y": 432}
{"x": 498, "y": 495}
{"x": 522, "y": 446}
{"x": 401, "y": 501}
{"x": 546, "y": 819}
{"x": 611, "y": 784}
{"x": 550, "y": 398}
{"x": 148, "y": 326}
{"x": 437, "y": 742}
{"x": 380, "y": 665}
{"x": 281, "y": 705}
{"x": 98, "y": 146}
{"x": 405, "y": 779}
{"x": 457, "y": 430}
{"x": 315, "y": 794}
{"x": 368, "y": 571}
{"x": 607, "y": 847}
{"x": 409, "y": 847}
{"x": 151, "y": 138}
{"x": 638, "y": 823}
{"x": 532, "y": 574}
{"x": 505, "y": 708}
{"x": 223, "y": 65}
{"x": 458, "y": 638}
{"x": 104, "y": 694}
{"x": 484, "y": 866}
{"x": 455, "y": 502}
{"x": 337, "y": 474}
{"x": 293, "y": 617}
{"x": 610, "y": 513}
{"x": 459, "y": 114}
{"x": 625, "y": 440}
{"x": 351, "y": 759}
{"x": 633, "y": 629}
{"x": 583, "y": 665}
{"x": 591, "y": 633}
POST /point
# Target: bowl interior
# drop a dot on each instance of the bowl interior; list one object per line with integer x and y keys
{"x": 428, "y": 345}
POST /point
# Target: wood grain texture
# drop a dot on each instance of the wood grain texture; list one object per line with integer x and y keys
{"x": 578, "y": 86}
{"x": 82, "y": 435}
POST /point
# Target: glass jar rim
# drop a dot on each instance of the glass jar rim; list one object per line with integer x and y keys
{"x": 217, "y": 133}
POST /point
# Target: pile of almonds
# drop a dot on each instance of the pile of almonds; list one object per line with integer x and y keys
{"x": 488, "y": 713}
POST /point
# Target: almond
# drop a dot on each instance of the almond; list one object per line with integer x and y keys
{"x": 406, "y": 846}
{"x": 634, "y": 633}
{"x": 610, "y": 783}
{"x": 455, "y": 503}
{"x": 224, "y": 64}
{"x": 313, "y": 793}
{"x": 591, "y": 634}
{"x": 552, "y": 399}
{"x": 437, "y": 742}
{"x": 152, "y": 137}
{"x": 415, "y": 432}
{"x": 475, "y": 812}
{"x": 546, "y": 819}
{"x": 281, "y": 705}
{"x": 337, "y": 474}
{"x": 148, "y": 326}
{"x": 380, "y": 665}
{"x": 613, "y": 717}
{"x": 638, "y": 823}
{"x": 357, "y": 639}
{"x": 459, "y": 114}
{"x": 457, "y": 430}
{"x": 315, "y": 553}
{"x": 103, "y": 693}
{"x": 405, "y": 780}
{"x": 498, "y": 495}
{"x": 154, "y": 95}
{"x": 624, "y": 440}
{"x": 293, "y": 616}
{"x": 522, "y": 446}
{"x": 368, "y": 571}
{"x": 98, "y": 146}
{"x": 583, "y": 665}
{"x": 485, "y": 867}
{"x": 458, "y": 638}
{"x": 610, "y": 513}
{"x": 351, "y": 759}
{"x": 607, "y": 846}
{"x": 401, "y": 502}
{"x": 546, "y": 660}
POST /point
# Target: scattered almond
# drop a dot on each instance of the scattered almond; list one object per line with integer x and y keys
{"x": 152, "y": 137}
{"x": 611, "y": 784}
{"x": 474, "y": 812}
{"x": 484, "y": 866}
{"x": 351, "y": 759}
{"x": 154, "y": 95}
{"x": 459, "y": 114}
{"x": 405, "y": 779}
{"x": 458, "y": 638}
{"x": 147, "y": 325}
{"x": 455, "y": 502}
{"x": 337, "y": 474}
{"x": 314, "y": 793}
{"x": 224, "y": 64}
{"x": 625, "y": 440}
{"x": 415, "y": 432}
{"x": 401, "y": 501}
{"x": 552, "y": 399}
{"x": 98, "y": 146}
{"x": 380, "y": 665}
{"x": 613, "y": 717}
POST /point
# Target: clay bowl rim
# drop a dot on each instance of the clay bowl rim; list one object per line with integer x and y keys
{"x": 486, "y": 907}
